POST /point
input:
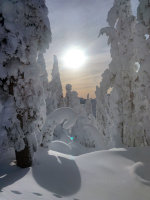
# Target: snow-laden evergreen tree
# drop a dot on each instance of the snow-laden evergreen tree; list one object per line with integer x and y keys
{"x": 115, "y": 95}
{"x": 88, "y": 106}
{"x": 86, "y": 134}
{"x": 68, "y": 97}
{"x": 141, "y": 128}
{"x": 55, "y": 92}
{"x": 72, "y": 100}
{"x": 24, "y": 36}
{"x": 143, "y": 13}
{"x": 43, "y": 73}
{"x": 59, "y": 119}
{"x": 54, "y": 101}
{"x": 84, "y": 130}
{"x": 89, "y": 112}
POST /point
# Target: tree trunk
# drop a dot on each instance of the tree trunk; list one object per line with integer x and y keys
{"x": 24, "y": 157}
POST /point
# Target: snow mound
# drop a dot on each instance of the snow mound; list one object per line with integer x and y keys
{"x": 121, "y": 174}
{"x": 61, "y": 147}
{"x": 141, "y": 172}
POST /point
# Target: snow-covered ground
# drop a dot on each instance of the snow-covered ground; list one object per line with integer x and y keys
{"x": 117, "y": 174}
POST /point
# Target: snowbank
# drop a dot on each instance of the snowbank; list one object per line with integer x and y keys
{"x": 117, "y": 174}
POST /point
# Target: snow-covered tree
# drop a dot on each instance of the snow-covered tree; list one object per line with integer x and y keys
{"x": 115, "y": 95}
{"x": 24, "y": 36}
{"x": 61, "y": 118}
{"x": 88, "y": 106}
{"x": 72, "y": 100}
{"x": 54, "y": 100}
{"x": 143, "y": 13}
{"x": 55, "y": 93}
{"x": 141, "y": 128}
{"x": 43, "y": 73}
{"x": 86, "y": 134}
{"x": 68, "y": 97}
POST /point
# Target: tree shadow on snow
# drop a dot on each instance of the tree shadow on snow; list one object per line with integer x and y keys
{"x": 60, "y": 176}
{"x": 10, "y": 173}
{"x": 142, "y": 162}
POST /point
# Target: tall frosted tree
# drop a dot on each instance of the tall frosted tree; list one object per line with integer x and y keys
{"x": 141, "y": 130}
{"x": 24, "y": 36}
{"x": 68, "y": 97}
{"x": 55, "y": 92}
{"x": 88, "y": 106}
{"x": 72, "y": 100}
{"x": 54, "y": 100}
{"x": 43, "y": 73}
{"x": 115, "y": 95}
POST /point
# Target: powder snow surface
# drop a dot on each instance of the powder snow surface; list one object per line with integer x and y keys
{"x": 117, "y": 174}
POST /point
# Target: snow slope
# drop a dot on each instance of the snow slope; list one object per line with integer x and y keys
{"x": 117, "y": 174}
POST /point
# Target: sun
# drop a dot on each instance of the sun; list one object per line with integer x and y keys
{"x": 74, "y": 58}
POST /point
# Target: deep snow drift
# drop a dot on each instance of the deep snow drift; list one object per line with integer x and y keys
{"x": 117, "y": 174}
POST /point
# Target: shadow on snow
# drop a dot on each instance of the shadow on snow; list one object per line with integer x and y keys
{"x": 58, "y": 175}
{"x": 10, "y": 173}
{"x": 140, "y": 157}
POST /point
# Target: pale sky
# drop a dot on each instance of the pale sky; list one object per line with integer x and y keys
{"x": 77, "y": 23}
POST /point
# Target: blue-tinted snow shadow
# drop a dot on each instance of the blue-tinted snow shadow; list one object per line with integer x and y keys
{"x": 140, "y": 156}
{"x": 9, "y": 173}
{"x": 60, "y": 176}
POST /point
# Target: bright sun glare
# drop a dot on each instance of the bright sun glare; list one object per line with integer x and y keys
{"x": 74, "y": 58}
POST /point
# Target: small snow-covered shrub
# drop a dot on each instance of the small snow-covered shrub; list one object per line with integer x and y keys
{"x": 86, "y": 134}
{"x": 64, "y": 118}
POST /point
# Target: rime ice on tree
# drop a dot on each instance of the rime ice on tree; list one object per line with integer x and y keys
{"x": 55, "y": 93}
{"x": 114, "y": 109}
{"x": 88, "y": 106}
{"x": 141, "y": 130}
{"x": 25, "y": 34}
{"x": 72, "y": 100}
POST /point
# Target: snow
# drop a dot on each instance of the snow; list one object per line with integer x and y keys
{"x": 61, "y": 147}
{"x": 64, "y": 123}
{"x": 116, "y": 174}
{"x": 31, "y": 110}
{"x": 63, "y": 115}
{"x": 55, "y": 93}
{"x": 23, "y": 41}
{"x": 57, "y": 121}
{"x": 73, "y": 101}
{"x": 121, "y": 113}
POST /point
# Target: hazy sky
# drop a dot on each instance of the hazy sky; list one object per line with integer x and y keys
{"x": 77, "y": 23}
